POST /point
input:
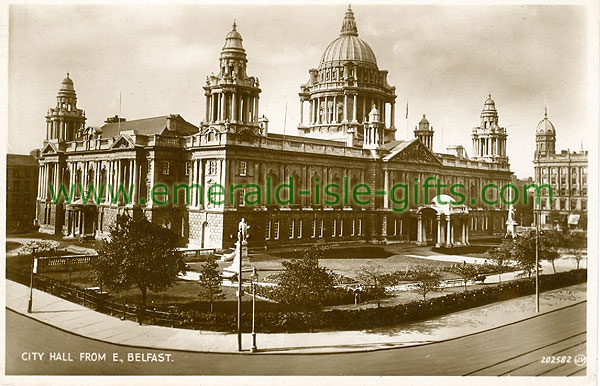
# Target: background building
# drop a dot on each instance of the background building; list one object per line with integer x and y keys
{"x": 349, "y": 139}
{"x": 21, "y": 182}
{"x": 566, "y": 172}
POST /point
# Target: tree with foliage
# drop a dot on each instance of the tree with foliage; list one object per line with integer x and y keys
{"x": 137, "y": 254}
{"x": 501, "y": 256}
{"x": 210, "y": 280}
{"x": 304, "y": 283}
{"x": 426, "y": 281}
{"x": 523, "y": 250}
{"x": 376, "y": 280}
{"x": 466, "y": 272}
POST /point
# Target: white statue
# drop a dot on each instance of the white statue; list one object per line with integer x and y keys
{"x": 243, "y": 230}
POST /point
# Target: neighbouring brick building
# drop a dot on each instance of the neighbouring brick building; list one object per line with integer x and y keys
{"x": 21, "y": 182}
{"x": 346, "y": 133}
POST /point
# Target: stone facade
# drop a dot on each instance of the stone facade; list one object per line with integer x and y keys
{"x": 232, "y": 147}
{"x": 566, "y": 173}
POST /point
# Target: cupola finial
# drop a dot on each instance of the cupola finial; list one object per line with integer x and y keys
{"x": 545, "y": 112}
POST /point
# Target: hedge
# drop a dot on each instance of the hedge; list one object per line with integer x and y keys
{"x": 295, "y": 321}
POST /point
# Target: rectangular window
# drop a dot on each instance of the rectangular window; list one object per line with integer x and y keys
{"x": 243, "y": 168}
{"x": 341, "y": 227}
{"x": 360, "y": 231}
{"x": 291, "y": 229}
{"x": 299, "y": 233}
{"x": 268, "y": 230}
{"x": 313, "y": 229}
{"x": 165, "y": 166}
{"x": 187, "y": 168}
{"x": 276, "y": 230}
{"x": 212, "y": 168}
{"x": 353, "y": 229}
{"x": 583, "y": 204}
{"x": 333, "y": 228}
{"x": 321, "y": 228}
{"x": 242, "y": 193}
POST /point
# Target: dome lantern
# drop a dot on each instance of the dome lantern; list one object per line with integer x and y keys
{"x": 349, "y": 25}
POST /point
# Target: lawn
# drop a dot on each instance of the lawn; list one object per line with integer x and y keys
{"x": 11, "y": 245}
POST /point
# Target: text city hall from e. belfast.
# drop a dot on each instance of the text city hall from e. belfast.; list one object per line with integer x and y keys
{"x": 346, "y": 131}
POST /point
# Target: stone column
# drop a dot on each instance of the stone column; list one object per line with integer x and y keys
{"x": 301, "y": 112}
{"x": 419, "y": 229}
{"x": 439, "y": 231}
{"x": 234, "y": 107}
{"x": 201, "y": 194}
{"x": 355, "y": 104}
{"x": 467, "y": 234}
{"x": 194, "y": 193}
{"x": 345, "y": 107}
{"x": 256, "y": 110}
{"x": 386, "y": 187}
{"x": 392, "y": 113}
{"x": 334, "y": 109}
{"x": 135, "y": 181}
{"x": 463, "y": 237}
{"x": 311, "y": 106}
{"x": 448, "y": 231}
{"x": 452, "y": 234}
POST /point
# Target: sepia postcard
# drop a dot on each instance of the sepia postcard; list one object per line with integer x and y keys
{"x": 256, "y": 193}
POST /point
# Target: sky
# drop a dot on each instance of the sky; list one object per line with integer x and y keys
{"x": 443, "y": 60}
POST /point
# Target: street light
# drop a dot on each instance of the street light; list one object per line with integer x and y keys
{"x": 253, "y": 282}
{"x": 33, "y": 269}
{"x": 537, "y": 258}
{"x": 537, "y": 268}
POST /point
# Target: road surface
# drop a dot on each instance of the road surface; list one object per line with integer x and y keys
{"x": 516, "y": 349}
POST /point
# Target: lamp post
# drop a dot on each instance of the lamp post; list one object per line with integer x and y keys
{"x": 536, "y": 215}
{"x": 537, "y": 267}
{"x": 33, "y": 268}
{"x": 253, "y": 282}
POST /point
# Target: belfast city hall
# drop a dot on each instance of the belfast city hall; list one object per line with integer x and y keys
{"x": 346, "y": 141}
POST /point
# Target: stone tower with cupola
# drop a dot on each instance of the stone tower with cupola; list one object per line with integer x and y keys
{"x": 545, "y": 138}
{"x": 489, "y": 139}
{"x": 424, "y": 133}
{"x": 232, "y": 97}
{"x": 336, "y": 100}
{"x": 65, "y": 121}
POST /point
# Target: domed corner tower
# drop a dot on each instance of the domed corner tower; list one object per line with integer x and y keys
{"x": 232, "y": 97}
{"x": 424, "y": 132}
{"x": 65, "y": 121}
{"x": 342, "y": 90}
{"x": 545, "y": 138}
{"x": 489, "y": 139}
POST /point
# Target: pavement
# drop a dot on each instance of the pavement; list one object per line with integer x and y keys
{"x": 85, "y": 322}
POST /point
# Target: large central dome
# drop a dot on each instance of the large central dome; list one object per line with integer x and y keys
{"x": 349, "y": 47}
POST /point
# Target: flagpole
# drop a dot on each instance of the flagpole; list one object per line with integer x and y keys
{"x": 119, "y": 120}
{"x": 407, "y": 133}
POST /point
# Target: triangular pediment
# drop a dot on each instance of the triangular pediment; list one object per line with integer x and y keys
{"x": 49, "y": 149}
{"x": 122, "y": 143}
{"x": 412, "y": 151}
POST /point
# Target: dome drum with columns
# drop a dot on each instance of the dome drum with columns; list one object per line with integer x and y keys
{"x": 65, "y": 122}
{"x": 336, "y": 101}
{"x": 232, "y": 97}
{"x": 489, "y": 139}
